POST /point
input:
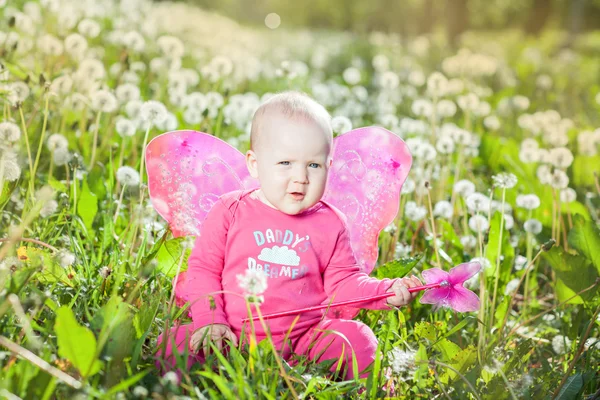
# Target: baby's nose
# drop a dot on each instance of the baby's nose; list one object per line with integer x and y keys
{"x": 301, "y": 175}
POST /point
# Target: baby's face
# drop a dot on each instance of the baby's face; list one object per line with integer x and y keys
{"x": 293, "y": 156}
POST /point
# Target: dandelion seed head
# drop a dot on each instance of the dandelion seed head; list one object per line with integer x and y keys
{"x": 9, "y": 132}
{"x": 478, "y": 223}
{"x": 414, "y": 212}
{"x": 520, "y": 262}
{"x": 504, "y": 180}
{"x": 125, "y": 127}
{"x": 128, "y": 176}
{"x": 153, "y": 111}
{"x": 528, "y": 201}
{"x": 560, "y": 344}
{"x": 64, "y": 258}
{"x": 104, "y": 101}
{"x": 443, "y": 209}
{"x": 341, "y": 124}
{"x": 253, "y": 283}
{"x": 401, "y": 360}
{"x": 49, "y": 208}
{"x": 477, "y": 202}
{"x": 568, "y": 195}
{"x": 61, "y": 156}
{"x": 532, "y": 226}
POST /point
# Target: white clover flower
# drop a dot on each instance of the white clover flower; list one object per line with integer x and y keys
{"x": 478, "y": 223}
{"x": 464, "y": 187}
{"x": 520, "y": 262}
{"x": 568, "y": 195}
{"x": 443, "y": 209}
{"x": 532, "y": 226}
{"x": 64, "y": 258}
{"x": 56, "y": 141}
{"x": 528, "y": 201}
{"x": 559, "y": 179}
{"x": 351, "y": 76}
{"x": 9, "y": 132}
{"x": 104, "y": 101}
{"x": 468, "y": 241}
{"x": 253, "y": 282}
{"x": 49, "y": 208}
{"x": 125, "y": 127}
{"x": 153, "y": 112}
{"x": 504, "y": 180}
{"x": 401, "y": 360}
{"x": 341, "y": 124}
{"x": 414, "y": 212}
{"x": 511, "y": 286}
{"x": 128, "y": 176}
{"x": 477, "y": 202}
{"x": 560, "y": 344}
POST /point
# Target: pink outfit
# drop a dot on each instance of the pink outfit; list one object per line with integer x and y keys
{"x": 308, "y": 260}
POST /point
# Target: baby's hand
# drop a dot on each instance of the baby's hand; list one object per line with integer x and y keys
{"x": 400, "y": 288}
{"x": 215, "y": 333}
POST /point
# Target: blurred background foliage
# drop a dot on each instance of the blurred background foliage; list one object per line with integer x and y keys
{"x": 416, "y": 17}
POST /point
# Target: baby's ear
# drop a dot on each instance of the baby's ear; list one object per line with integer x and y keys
{"x": 251, "y": 164}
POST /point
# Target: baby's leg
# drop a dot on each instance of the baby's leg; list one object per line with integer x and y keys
{"x": 333, "y": 338}
{"x": 178, "y": 340}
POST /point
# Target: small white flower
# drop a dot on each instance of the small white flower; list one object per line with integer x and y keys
{"x": 341, "y": 124}
{"x": 532, "y": 226}
{"x": 504, "y": 180}
{"x": 128, "y": 176}
{"x": 528, "y": 201}
{"x": 478, "y": 223}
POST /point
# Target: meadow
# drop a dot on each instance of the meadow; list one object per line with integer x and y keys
{"x": 504, "y": 132}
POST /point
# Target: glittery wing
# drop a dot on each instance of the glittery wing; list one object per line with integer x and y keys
{"x": 187, "y": 172}
{"x": 369, "y": 168}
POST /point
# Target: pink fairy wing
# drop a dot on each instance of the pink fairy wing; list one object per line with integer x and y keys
{"x": 462, "y": 299}
{"x": 369, "y": 167}
{"x": 462, "y": 272}
{"x": 187, "y": 172}
{"x": 434, "y": 275}
{"x": 437, "y": 296}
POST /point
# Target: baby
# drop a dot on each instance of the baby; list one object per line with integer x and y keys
{"x": 300, "y": 242}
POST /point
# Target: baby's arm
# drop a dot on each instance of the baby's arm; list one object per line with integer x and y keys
{"x": 205, "y": 266}
{"x": 343, "y": 280}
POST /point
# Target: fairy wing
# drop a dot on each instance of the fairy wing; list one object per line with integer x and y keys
{"x": 187, "y": 172}
{"x": 369, "y": 168}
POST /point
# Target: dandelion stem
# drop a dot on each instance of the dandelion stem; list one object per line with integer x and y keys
{"x": 435, "y": 246}
{"x": 39, "y": 151}
{"x": 22, "y": 239}
{"x": 95, "y": 139}
{"x": 119, "y": 205}
{"x": 27, "y": 144}
{"x": 497, "y": 271}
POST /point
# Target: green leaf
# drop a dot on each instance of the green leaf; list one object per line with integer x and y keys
{"x": 396, "y": 268}
{"x": 583, "y": 175}
{"x": 421, "y": 371}
{"x": 507, "y": 252}
{"x": 168, "y": 257}
{"x": 572, "y": 388}
{"x": 57, "y": 185}
{"x": 585, "y": 238}
{"x": 425, "y": 330}
{"x": 462, "y": 361}
{"x": 87, "y": 207}
{"x": 448, "y": 349}
{"x": 76, "y": 343}
{"x": 576, "y": 272}
{"x": 448, "y": 233}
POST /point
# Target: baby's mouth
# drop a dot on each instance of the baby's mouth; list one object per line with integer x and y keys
{"x": 297, "y": 195}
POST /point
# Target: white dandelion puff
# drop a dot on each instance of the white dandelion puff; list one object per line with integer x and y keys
{"x": 153, "y": 111}
{"x": 532, "y": 226}
{"x": 9, "y": 132}
{"x": 128, "y": 176}
{"x": 504, "y": 180}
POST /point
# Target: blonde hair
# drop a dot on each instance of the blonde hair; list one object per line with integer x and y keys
{"x": 291, "y": 104}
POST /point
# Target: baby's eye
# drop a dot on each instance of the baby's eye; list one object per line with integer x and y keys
{"x": 285, "y": 163}
{"x": 317, "y": 165}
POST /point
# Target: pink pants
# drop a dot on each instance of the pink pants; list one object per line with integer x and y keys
{"x": 330, "y": 339}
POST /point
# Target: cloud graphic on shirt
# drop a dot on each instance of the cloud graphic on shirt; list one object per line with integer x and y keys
{"x": 280, "y": 255}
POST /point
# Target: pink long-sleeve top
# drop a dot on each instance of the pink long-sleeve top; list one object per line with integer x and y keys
{"x": 307, "y": 258}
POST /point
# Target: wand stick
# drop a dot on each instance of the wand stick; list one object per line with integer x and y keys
{"x": 346, "y": 302}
